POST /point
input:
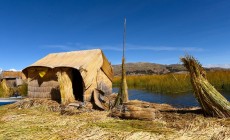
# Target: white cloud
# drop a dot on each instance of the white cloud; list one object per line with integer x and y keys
{"x": 1, "y": 70}
{"x": 78, "y": 46}
{"x": 13, "y": 70}
{"x": 217, "y": 65}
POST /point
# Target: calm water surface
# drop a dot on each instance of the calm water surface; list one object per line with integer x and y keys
{"x": 5, "y": 102}
{"x": 181, "y": 100}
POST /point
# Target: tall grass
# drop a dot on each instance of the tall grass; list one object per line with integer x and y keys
{"x": 220, "y": 79}
{"x": 174, "y": 83}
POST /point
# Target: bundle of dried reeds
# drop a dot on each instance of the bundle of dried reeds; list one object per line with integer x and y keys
{"x": 211, "y": 101}
{"x": 122, "y": 96}
{"x": 5, "y": 89}
{"x": 66, "y": 89}
{"x": 44, "y": 104}
{"x": 136, "y": 110}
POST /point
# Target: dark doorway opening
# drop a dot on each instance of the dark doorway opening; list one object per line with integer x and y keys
{"x": 77, "y": 84}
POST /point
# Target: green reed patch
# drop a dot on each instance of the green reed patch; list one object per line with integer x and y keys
{"x": 174, "y": 83}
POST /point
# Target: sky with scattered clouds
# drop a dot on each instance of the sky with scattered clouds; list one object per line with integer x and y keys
{"x": 158, "y": 31}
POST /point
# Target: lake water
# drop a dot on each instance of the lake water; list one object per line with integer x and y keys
{"x": 178, "y": 100}
{"x": 5, "y": 102}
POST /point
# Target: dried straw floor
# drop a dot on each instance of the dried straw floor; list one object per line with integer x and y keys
{"x": 38, "y": 122}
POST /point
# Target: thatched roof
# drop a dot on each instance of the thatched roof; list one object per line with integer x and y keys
{"x": 11, "y": 74}
{"x": 85, "y": 61}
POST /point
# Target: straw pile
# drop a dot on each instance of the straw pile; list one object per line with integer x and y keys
{"x": 66, "y": 89}
{"x": 140, "y": 110}
{"x": 44, "y": 104}
{"x": 5, "y": 90}
{"x": 211, "y": 101}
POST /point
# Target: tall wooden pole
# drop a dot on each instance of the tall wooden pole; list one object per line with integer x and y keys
{"x": 124, "y": 38}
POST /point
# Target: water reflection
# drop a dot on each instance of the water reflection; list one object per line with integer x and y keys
{"x": 178, "y": 100}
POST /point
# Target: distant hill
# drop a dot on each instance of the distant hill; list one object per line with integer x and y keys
{"x": 144, "y": 68}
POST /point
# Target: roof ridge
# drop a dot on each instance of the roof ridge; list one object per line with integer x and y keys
{"x": 77, "y": 51}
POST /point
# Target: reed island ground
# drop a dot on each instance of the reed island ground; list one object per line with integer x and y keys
{"x": 43, "y": 122}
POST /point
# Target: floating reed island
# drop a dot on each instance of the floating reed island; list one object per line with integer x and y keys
{"x": 84, "y": 79}
{"x": 146, "y": 120}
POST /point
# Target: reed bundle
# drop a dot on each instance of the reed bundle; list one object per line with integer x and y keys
{"x": 122, "y": 96}
{"x": 66, "y": 89}
{"x": 4, "y": 89}
{"x": 211, "y": 101}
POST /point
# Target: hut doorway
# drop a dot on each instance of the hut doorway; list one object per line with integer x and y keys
{"x": 77, "y": 84}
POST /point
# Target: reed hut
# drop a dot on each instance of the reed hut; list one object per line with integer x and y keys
{"x": 12, "y": 78}
{"x": 85, "y": 70}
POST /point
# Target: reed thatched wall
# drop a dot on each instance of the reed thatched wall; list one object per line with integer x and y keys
{"x": 89, "y": 91}
{"x": 86, "y": 62}
{"x": 103, "y": 83}
{"x": 45, "y": 87}
{"x": 48, "y": 86}
{"x": 11, "y": 82}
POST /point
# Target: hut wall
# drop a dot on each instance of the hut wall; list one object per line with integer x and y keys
{"x": 45, "y": 87}
{"x": 19, "y": 82}
{"x": 89, "y": 91}
{"x": 103, "y": 82}
{"x": 11, "y": 82}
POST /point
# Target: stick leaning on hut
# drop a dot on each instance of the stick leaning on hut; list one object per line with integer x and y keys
{"x": 211, "y": 101}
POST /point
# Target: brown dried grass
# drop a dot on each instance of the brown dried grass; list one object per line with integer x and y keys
{"x": 30, "y": 103}
{"x": 45, "y": 124}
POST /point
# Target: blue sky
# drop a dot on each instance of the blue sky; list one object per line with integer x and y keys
{"x": 158, "y": 31}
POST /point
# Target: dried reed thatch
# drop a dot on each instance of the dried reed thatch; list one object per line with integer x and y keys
{"x": 5, "y": 89}
{"x": 211, "y": 101}
{"x": 138, "y": 110}
{"x": 90, "y": 70}
{"x": 12, "y": 74}
{"x": 66, "y": 89}
{"x": 45, "y": 104}
{"x": 122, "y": 96}
{"x": 77, "y": 108}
